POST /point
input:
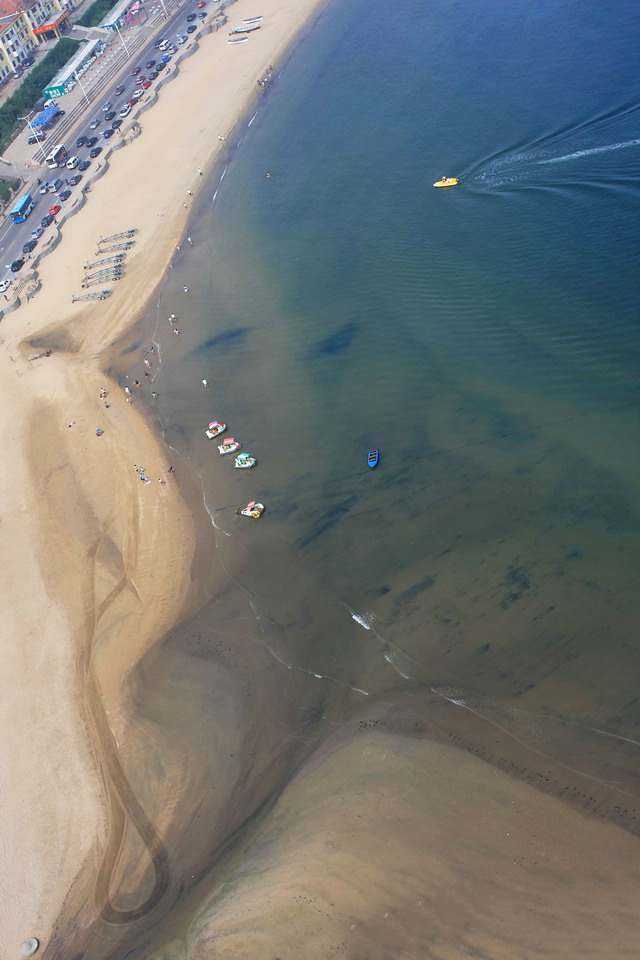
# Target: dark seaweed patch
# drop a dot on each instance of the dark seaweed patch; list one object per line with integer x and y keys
{"x": 226, "y": 338}
{"x": 338, "y": 341}
{"x": 329, "y": 520}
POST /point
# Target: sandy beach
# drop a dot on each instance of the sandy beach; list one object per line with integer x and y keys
{"x": 244, "y": 816}
{"x": 96, "y": 564}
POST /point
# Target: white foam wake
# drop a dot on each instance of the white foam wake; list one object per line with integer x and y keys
{"x": 591, "y": 150}
{"x": 364, "y": 619}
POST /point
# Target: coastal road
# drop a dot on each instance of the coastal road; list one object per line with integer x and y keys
{"x": 77, "y": 122}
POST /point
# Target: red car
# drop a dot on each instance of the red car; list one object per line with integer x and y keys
{"x": 119, "y": 90}
{"x": 136, "y": 71}
{"x": 201, "y": 5}
{"x": 56, "y": 208}
{"x": 146, "y": 84}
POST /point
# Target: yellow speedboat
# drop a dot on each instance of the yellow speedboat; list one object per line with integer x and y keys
{"x": 447, "y": 182}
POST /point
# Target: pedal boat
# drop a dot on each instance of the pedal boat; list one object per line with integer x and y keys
{"x": 372, "y": 458}
{"x": 253, "y": 509}
{"x": 447, "y": 182}
{"x": 228, "y": 446}
{"x": 244, "y": 462}
{"x": 215, "y": 428}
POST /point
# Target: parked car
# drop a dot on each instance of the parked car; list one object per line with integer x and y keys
{"x": 54, "y": 210}
{"x": 106, "y": 106}
{"x": 17, "y": 265}
{"x": 146, "y": 84}
{"x": 141, "y": 79}
{"x": 37, "y": 233}
{"x": 182, "y": 38}
{"x": 166, "y": 58}
{"x": 80, "y": 142}
{"x": 36, "y": 138}
{"x": 95, "y": 152}
{"x": 29, "y": 246}
{"x": 137, "y": 95}
{"x": 119, "y": 90}
{"x": 153, "y": 75}
{"x": 28, "y": 61}
{"x": 107, "y": 134}
{"x": 91, "y": 142}
{"x": 17, "y": 74}
{"x": 201, "y": 16}
{"x": 5, "y": 285}
{"x": 75, "y": 180}
{"x": 136, "y": 71}
{"x": 72, "y": 163}
{"x": 191, "y": 29}
{"x": 47, "y": 221}
{"x": 191, "y": 17}
{"x": 150, "y": 64}
{"x": 95, "y": 122}
{"x": 117, "y": 123}
{"x": 65, "y": 195}
{"x": 126, "y": 110}
{"x": 201, "y": 5}
{"x": 84, "y": 165}
{"x": 109, "y": 116}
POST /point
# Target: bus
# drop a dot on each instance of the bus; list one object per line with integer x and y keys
{"x": 58, "y": 153}
{"x": 22, "y": 209}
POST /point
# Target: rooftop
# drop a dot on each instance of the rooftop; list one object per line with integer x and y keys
{"x": 10, "y": 10}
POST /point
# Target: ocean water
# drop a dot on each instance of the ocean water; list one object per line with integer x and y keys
{"x": 485, "y": 339}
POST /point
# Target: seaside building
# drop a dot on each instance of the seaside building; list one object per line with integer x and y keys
{"x": 24, "y": 25}
{"x": 125, "y": 14}
{"x": 70, "y": 74}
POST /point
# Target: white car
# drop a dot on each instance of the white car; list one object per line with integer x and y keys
{"x": 182, "y": 38}
{"x": 5, "y": 285}
{"x": 72, "y": 163}
{"x": 126, "y": 110}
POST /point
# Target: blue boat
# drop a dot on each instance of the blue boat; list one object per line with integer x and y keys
{"x": 373, "y": 458}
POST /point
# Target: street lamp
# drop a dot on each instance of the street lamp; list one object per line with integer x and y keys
{"x": 82, "y": 87}
{"x": 33, "y": 133}
{"x": 126, "y": 49}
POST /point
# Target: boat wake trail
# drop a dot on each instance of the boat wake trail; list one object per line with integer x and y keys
{"x": 593, "y": 150}
{"x": 596, "y": 150}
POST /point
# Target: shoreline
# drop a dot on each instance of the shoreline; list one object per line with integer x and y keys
{"x": 113, "y": 575}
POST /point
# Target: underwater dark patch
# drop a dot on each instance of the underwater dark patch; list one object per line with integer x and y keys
{"x": 226, "y": 338}
{"x": 338, "y": 341}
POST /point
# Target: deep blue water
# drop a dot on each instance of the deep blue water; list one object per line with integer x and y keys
{"x": 486, "y": 339}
